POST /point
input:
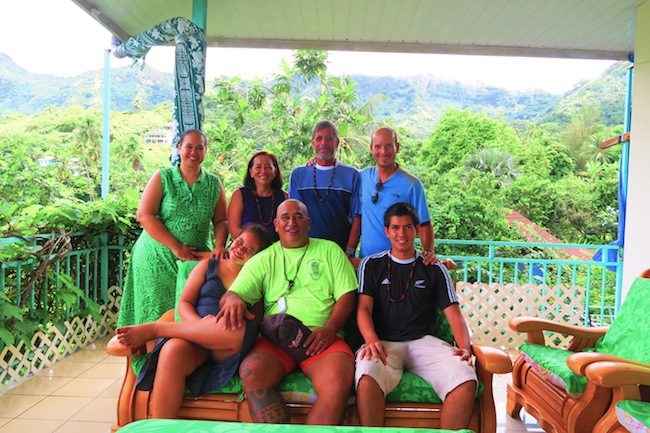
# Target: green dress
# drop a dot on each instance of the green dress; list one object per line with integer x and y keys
{"x": 186, "y": 211}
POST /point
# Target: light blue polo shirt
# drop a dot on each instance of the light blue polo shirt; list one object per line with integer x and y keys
{"x": 401, "y": 186}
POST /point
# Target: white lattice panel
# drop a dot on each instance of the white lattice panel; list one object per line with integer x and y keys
{"x": 20, "y": 362}
{"x": 489, "y": 307}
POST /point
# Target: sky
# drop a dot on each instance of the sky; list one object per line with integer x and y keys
{"x": 61, "y": 39}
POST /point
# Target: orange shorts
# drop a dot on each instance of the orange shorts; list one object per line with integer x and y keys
{"x": 288, "y": 363}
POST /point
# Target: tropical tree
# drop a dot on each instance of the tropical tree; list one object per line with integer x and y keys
{"x": 499, "y": 162}
{"x": 87, "y": 135}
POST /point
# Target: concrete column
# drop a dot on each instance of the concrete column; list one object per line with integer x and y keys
{"x": 637, "y": 222}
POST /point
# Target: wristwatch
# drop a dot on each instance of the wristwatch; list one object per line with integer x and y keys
{"x": 349, "y": 251}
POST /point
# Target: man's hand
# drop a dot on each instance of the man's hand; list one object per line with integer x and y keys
{"x": 319, "y": 340}
{"x": 465, "y": 355}
{"x": 374, "y": 351}
{"x": 313, "y": 160}
{"x": 233, "y": 312}
{"x": 430, "y": 257}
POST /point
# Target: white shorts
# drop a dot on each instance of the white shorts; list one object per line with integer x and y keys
{"x": 429, "y": 357}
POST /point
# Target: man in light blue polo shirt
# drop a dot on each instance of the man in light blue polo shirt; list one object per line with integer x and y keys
{"x": 387, "y": 184}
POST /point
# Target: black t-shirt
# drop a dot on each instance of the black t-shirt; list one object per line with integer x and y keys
{"x": 410, "y": 314}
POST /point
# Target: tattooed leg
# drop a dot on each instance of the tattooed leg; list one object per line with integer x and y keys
{"x": 260, "y": 374}
{"x": 266, "y": 406}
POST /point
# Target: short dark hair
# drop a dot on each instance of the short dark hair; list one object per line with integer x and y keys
{"x": 276, "y": 184}
{"x": 261, "y": 233}
{"x": 325, "y": 124}
{"x": 192, "y": 131}
{"x": 401, "y": 209}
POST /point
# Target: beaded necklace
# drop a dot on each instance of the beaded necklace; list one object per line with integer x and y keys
{"x": 390, "y": 281}
{"x": 259, "y": 208}
{"x": 329, "y": 187}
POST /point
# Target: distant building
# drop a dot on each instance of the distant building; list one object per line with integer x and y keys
{"x": 159, "y": 136}
{"x": 46, "y": 161}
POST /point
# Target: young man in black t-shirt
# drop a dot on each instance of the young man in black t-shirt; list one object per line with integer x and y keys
{"x": 398, "y": 297}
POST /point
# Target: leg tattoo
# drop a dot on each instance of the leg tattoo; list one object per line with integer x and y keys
{"x": 267, "y": 406}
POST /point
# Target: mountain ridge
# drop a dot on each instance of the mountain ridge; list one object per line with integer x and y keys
{"x": 413, "y": 100}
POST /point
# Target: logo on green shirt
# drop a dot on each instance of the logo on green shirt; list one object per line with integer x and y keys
{"x": 315, "y": 269}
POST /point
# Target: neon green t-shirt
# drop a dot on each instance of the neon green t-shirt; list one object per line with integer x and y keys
{"x": 324, "y": 275}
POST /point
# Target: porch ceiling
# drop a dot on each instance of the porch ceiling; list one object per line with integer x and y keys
{"x": 601, "y": 29}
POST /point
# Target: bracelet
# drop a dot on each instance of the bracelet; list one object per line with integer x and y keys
{"x": 349, "y": 251}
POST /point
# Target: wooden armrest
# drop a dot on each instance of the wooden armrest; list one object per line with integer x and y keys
{"x": 579, "y": 361}
{"x": 491, "y": 359}
{"x": 168, "y": 316}
{"x": 618, "y": 373}
{"x": 534, "y": 327}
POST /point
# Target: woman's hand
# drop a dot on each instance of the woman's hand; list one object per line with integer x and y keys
{"x": 220, "y": 253}
{"x": 185, "y": 252}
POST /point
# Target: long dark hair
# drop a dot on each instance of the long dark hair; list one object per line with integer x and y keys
{"x": 276, "y": 183}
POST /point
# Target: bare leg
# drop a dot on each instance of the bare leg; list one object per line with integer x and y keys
{"x": 205, "y": 332}
{"x": 457, "y": 407}
{"x": 332, "y": 377}
{"x": 178, "y": 358}
{"x": 260, "y": 374}
{"x": 370, "y": 402}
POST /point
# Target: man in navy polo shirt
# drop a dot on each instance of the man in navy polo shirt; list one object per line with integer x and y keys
{"x": 330, "y": 189}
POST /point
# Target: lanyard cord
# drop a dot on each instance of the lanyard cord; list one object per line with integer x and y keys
{"x": 284, "y": 267}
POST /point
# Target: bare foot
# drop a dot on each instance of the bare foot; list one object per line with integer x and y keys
{"x": 136, "y": 335}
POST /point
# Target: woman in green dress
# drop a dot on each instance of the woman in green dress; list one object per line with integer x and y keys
{"x": 175, "y": 212}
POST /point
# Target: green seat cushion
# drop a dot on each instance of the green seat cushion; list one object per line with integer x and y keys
{"x": 187, "y": 426}
{"x": 297, "y": 388}
{"x": 551, "y": 364}
{"x": 627, "y": 337}
{"x": 413, "y": 388}
{"x": 634, "y": 415}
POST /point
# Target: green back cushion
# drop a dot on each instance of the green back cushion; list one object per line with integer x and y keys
{"x": 184, "y": 269}
{"x": 442, "y": 330}
{"x": 628, "y": 335}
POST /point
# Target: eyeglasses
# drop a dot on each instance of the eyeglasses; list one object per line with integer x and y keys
{"x": 244, "y": 249}
{"x": 378, "y": 186}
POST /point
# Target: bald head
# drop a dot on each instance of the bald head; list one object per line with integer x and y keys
{"x": 384, "y": 147}
{"x": 292, "y": 223}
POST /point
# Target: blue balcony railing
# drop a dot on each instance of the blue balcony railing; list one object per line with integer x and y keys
{"x": 94, "y": 263}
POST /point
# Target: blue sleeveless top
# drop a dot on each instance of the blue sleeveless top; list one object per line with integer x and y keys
{"x": 267, "y": 208}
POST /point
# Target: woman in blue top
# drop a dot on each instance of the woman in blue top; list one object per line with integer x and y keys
{"x": 259, "y": 198}
{"x": 197, "y": 352}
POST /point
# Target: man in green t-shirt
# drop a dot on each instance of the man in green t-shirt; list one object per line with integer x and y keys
{"x": 312, "y": 280}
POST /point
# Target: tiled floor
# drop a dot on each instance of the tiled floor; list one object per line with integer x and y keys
{"x": 79, "y": 395}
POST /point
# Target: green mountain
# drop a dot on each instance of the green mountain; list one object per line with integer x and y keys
{"x": 416, "y": 102}
{"x": 24, "y": 92}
